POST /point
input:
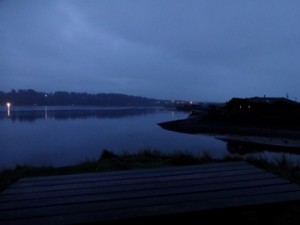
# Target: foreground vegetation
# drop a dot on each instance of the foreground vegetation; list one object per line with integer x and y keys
{"x": 148, "y": 158}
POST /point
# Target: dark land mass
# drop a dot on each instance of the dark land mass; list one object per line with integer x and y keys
{"x": 218, "y": 127}
{"x": 62, "y": 98}
{"x": 271, "y": 117}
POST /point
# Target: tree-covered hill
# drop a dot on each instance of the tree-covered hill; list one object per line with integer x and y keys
{"x": 32, "y": 97}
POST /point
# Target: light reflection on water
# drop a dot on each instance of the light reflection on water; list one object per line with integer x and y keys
{"x": 58, "y": 136}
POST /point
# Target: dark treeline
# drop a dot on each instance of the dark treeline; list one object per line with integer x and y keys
{"x": 32, "y": 97}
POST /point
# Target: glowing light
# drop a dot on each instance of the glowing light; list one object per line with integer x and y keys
{"x": 8, "y": 104}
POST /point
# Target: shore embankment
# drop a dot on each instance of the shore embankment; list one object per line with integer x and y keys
{"x": 211, "y": 127}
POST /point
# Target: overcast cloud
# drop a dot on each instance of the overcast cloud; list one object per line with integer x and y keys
{"x": 189, "y": 49}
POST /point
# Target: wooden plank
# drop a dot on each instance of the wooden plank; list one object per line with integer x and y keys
{"x": 150, "y": 206}
{"x": 136, "y": 180}
{"x": 121, "y": 175}
{"x": 121, "y": 195}
{"x": 210, "y": 166}
{"x": 94, "y": 189}
{"x": 125, "y": 204}
{"x": 108, "y": 196}
{"x": 123, "y": 182}
{"x": 122, "y": 214}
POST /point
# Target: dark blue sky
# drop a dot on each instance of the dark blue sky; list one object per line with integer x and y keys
{"x": 189, "y": 49}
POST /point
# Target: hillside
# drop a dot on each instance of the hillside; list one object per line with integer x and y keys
{"x": 62, "y": 98}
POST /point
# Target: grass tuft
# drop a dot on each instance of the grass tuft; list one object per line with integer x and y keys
{"x": 282, "y": 166}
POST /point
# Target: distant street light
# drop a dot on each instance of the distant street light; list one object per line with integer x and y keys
{"x": 8, "y": 105}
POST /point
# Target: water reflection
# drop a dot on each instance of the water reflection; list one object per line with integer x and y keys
{"x": 23, "y": 114}
{"x": 69, "y": 137}
{"x": 46, "y": 112}
{"x": 243, "y": 148}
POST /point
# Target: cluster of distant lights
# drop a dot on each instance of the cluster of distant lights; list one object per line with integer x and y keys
{"x": 180, "y": 102}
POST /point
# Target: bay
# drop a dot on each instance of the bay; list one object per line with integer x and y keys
{"x": 60, "y": 136}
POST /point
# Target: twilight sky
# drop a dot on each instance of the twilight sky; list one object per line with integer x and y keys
{"x": 201, "y": 50}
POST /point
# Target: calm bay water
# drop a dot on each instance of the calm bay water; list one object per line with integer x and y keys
{"x": 59, "y": 136}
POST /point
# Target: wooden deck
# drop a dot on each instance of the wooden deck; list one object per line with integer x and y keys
{"x": 114, "y": 196}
